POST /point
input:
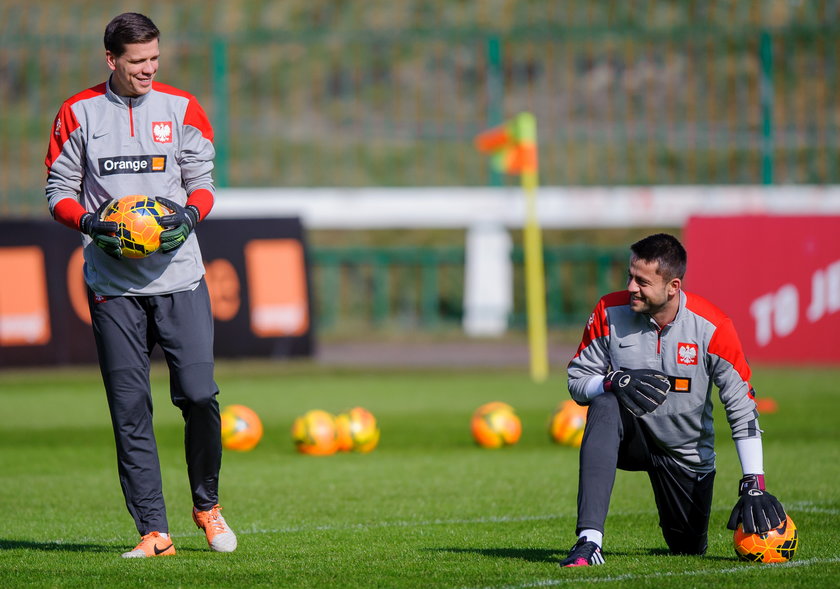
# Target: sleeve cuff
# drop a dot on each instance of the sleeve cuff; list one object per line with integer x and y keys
{"x": 593, "y": 387}
{"x": 202, "y": 199}
{"x": 751, "y": 455}
{"x": 69, "y": 212}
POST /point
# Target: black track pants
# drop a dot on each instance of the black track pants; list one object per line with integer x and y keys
{"x": 126, "y": 330}
{"x": 614, "y": 438}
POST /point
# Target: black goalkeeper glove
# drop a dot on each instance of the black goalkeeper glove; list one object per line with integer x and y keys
{"x": 102, "y": 232}
{"x": 757, "y": 510}
{"x": 640, "y": 391}
{"x": 182, "y": 220}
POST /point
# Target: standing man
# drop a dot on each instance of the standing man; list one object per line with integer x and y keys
{"x": 131, "y": 135}
{"x": 645, "y": 367}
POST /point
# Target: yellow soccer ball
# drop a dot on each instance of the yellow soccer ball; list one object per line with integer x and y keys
{"x": 776, "y": 546}
{"x": 315, "y": 433}
{"x": 138, "y": 224}
{"x": 566, "y": 424}
{"x": 357, "y": 430}
{"x": 241, "y": 428}
{"x": 495, "y": 424}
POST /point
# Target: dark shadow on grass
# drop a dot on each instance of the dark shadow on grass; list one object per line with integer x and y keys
{"x": 53, "y": 546}
{"x": 71, "y": 547}
{"x": 529, "y": 554}
{"x": 553, "y": 555}
{"x": 666, "y": 552}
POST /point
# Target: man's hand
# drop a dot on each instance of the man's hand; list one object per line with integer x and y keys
{"x": 757, "y": 510}
{"x": 102, "y": 232}
{"x": 640, "y": 391}
{"x": 182, "y": 220}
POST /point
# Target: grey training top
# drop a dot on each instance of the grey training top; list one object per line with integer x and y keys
{"x": 700, "y": 348}
{"x": 105, "y": 146}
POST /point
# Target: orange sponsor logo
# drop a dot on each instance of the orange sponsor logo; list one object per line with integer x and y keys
{"x": 276, "y": 274}
{"x": 24, "y": 306}
{"x": 681, "y": 385}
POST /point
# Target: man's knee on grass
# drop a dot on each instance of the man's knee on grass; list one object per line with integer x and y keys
{"x": 685, "y": 544}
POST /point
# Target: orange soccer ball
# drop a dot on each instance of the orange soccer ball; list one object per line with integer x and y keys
{"x": 241, "y": 428}
{"x": 138, "y": 224}
{"x": 495, "y": 424}
{"x": 778, "y": 545}
{"x": 357, "y": 430}
{"x": 315, "y": 433}
{"x": 567, "y": 423}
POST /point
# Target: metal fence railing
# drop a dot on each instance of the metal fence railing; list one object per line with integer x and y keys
{"x": 361, "y": 289}
{"x": 317, "y": 93}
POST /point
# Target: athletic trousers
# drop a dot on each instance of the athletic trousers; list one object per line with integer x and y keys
{"x": 615, "y": 438}
{"x": 126, "y": 329}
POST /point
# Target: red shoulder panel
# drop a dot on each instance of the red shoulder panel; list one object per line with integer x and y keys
{"x": 597, "y": 325}
{"x": 92, "y": 92}
{"x": 195, "y": 115}
{"x": 707, "y": 310}
{"x": 65, "y": 122}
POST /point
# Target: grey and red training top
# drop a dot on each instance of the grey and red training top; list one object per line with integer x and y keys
{"x": 104, "y": 146}
{"x": 700, "y": 348}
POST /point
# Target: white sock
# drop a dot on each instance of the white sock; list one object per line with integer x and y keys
{"x": 592, "y": 536}
{"x": 164, "y": 535}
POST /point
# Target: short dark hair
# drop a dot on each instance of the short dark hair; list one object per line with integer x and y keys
{"x": 129, "y": 27}
{"x": 665, "y": 249}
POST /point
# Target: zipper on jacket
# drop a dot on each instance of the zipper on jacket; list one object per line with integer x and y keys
{"x": 659, "y": 332}
{"x": 131, "y": 116}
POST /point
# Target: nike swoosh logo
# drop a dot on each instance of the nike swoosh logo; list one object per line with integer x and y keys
{"x": 98, "y": 135}
{"x": 162, "y": 550}
{"x": 626, "y": 344}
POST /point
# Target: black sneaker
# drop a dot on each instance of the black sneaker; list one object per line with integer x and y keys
{"x": 583, "y": 554}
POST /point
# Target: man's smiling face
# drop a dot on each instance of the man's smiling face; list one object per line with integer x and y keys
{"x": 135, "y": 69}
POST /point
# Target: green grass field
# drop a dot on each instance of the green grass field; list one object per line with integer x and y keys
{"x": 426, "y": 509}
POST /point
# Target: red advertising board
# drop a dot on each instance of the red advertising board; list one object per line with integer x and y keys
{"x": 778, "y": 278}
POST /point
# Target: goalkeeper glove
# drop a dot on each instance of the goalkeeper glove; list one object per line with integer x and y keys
{"x": 102, "y": 232}
{"x": 182, "y": 220}
{"x": 757, "y": 510}
{"x": 640, "y": 391}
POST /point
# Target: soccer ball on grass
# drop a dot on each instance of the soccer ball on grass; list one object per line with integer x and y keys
{"x": 567, "y": 423}
{"x": 138, "y": 224}
{"x": 315, "y": 433}
{"x": 241, "y": 428}
{"x": 357, "y": 430}
{"x": 495, "y": 424}
{"x": 778, "y": 545}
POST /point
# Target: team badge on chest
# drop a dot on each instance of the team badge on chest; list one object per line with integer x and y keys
{"x": 686, "y": 353}
{"x": 162, "y": 131}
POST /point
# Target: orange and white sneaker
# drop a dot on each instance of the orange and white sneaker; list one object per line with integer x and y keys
{"x": 219, "y": 536}
{"x": 152, "y": 544}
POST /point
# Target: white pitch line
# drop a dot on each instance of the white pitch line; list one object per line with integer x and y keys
{"x": 810, "y": 507}
{"x": 745, "y": 568}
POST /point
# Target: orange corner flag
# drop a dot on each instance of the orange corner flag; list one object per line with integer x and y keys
{"x": 512, "y": 146}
